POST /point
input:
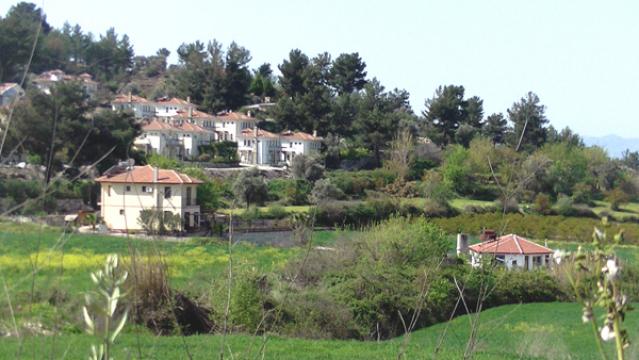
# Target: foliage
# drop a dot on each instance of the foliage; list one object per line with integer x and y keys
{"x": 249, "y": 187}
{"x": 616, "y": 197}
{"x": 100, "y": 315}
{"x": 155, "y": 221}
{"x": 447, "y": 111}
{"x": 355, "y": 183}
{"x": 247, "y": 302}
{"x": 455, "y": 170}
{"x": 529, "y": 120}
{"x": 325, "y": 190}
{"x": 289, "y": 191}
{"x": 305, "y": 167}
{"x": 542, "y": 204}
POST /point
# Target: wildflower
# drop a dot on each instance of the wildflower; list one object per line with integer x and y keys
{"x": 607, "y": 333}
{"x": 586, "y": 314}
{"x": 611, "y": 269}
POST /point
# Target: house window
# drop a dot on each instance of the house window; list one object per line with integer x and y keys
{"x": 146, "y": 189}
{"x": 188, "y": 196}
{"x": 167, "y": 192}
{"x": 128, "y": 188}
{"x": 121, "y": 211}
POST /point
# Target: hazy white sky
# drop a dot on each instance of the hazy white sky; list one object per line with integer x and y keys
{"x": 580, "y": 57}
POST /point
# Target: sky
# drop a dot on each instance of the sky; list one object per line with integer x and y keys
{"x": 580, "y": 57}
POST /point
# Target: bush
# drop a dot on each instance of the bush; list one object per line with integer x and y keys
{"x": 434, "y": 208}
{"x": 542, "y": 204}
{"x": 204, "y": 158}
{"x": 355, "y": 183}
{"x": 250, "y": 188}
{"x": 564, "y": 205}
{"x": 307, "y": 168}
{"x": 247, "y": 303}
{"x": 276, "y": 212}
{"x": 325, "y": 190}
{"x": 507, "y": 205}
{"x": 616, "y": 197}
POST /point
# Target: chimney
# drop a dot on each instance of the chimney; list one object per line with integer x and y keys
{"x": 130, "y": 97}
{"x": 188, "y": 99}
{"x": 190, "y": 113}
{"x": 462, "y": 244}
{"x": 155, "y": 174}
{"x": 314, "y": 133}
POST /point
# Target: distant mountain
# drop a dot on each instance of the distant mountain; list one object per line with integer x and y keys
{"x": 613, "y": 143}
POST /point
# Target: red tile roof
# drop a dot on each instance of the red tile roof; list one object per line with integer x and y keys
{"x": 195, "y": 114}
{"x": 510, "y": 244}
{"x": 298, "y": 135}
{"x": 250, "y": 133}
{"x": 155, "y": 125}
{"x": 124, "y": 98}
{"x": 144, "y": 175}
{"x": 233, "y": 116}
{"x": 189, "y": 127}
{"x": 173, "y": 101}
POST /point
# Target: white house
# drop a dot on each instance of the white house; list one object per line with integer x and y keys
{"x": 48, "y": 79}
{"x": 127, "y": 190}
{"x": 141, "y": 107}
{"x": 9, "y": 92}
{"x": 511, "y": 251}
{"x": 296, "y": 143}
{"x": 228, "y": 125}
{"x": 169, "y": 107}
{"x": 258, "y": 147}
{"x": 177, "y": 139}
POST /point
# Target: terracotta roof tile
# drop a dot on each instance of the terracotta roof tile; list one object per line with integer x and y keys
{"x": 250, "y": 133}
{"x": 510, "y": 244}
{"x": 124, "y": 98}
{"x": 156, "y": 125}
{"x": 172, "y": 101}
{"x": 298, "y": 135}
{"x": 233, "y": 116}
{"x": 144, "y": 175}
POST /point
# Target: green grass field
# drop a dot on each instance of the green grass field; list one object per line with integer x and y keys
{"x": 531, "y": 331}
{"x": 62, "y": 264}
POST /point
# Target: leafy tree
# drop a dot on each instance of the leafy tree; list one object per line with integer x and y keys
{"x": 456, "y": 170}
{"x": 237, "y": 76}
{"x": 325, "y": 190}
{"x": 292, "y": 70}
{"x": 111, "y": 57}
{"x": 250, "y": 187}
{"x": 348, "y": 73}
{"x": 448, "y": 110}
{"x": 529, "y": 120}
{"x": 379, "y": 115}
{"x": 307, "y": 168}
{"x": 495, "y": 128}
{"x": 110, "y": 130}
{"x": 616, "y": 197}
{"x": 17, "y": 35}
{"x": 465, "y": 134}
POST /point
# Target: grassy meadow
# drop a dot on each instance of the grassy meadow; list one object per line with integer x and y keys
{"x": 529, "y": 331}
{"x": 40, "y": 265}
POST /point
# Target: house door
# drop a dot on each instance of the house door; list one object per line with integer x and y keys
{"x": 187, "y": 222}
{"x": 526, "y": 262}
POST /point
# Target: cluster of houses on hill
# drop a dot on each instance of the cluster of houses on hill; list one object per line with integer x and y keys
{"x": 174, "y": 127}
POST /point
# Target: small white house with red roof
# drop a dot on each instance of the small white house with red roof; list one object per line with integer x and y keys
{"x": 127, "y": 190}
{"x": 512, "y": 251}
{"x": 298, "y": 143}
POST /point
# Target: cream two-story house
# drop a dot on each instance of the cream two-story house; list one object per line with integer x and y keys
{"x": 127, "y": 190}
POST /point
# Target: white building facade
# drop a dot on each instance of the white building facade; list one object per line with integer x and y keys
{"x": 176, "y": 140}
{"x": 512, "y": 252}
{"x": 126, "y": 193}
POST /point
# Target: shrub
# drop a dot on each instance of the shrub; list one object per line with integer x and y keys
{"x": 247, "y": 301}
{"x": 307, "y": 168}
{"x": 250, "y": 188}
{"x": 289, "y": 191}
{"x": 616, "y": 197}
{"x": 325, "y": 190}
{"x": 542, "y": 204}
{"x": 507, "y": 205}
{"x": 204, "y": 157}
{"x": 564, "y": 205}
{"x": 434, "y": 208}
{"x": 355, "y": 183}
{"x": 276, "y": 211}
